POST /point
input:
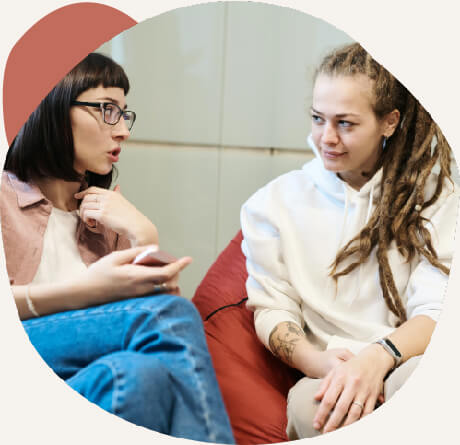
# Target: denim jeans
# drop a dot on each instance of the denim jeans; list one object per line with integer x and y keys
{"x": 143, "y": 359}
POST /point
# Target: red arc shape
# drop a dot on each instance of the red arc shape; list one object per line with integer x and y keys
{"x": 49, "y": 50}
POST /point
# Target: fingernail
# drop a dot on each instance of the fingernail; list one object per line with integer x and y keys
{"x": 316, "y": 425}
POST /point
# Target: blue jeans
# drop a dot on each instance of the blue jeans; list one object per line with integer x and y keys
{"x": 143, "y": 359}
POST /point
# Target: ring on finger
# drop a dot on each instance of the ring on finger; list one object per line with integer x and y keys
{"x": 359, "y": 404}
{"x": 158, "y": 288}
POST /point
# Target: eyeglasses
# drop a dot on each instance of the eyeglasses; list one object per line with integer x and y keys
{"x": 111, "y": 113}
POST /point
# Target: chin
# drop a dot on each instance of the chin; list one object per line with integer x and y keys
{"x": 101, "y": 171}
{"x": 332, "y": 166}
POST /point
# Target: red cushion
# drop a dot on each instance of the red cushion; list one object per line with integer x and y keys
{"x": 254, "y": 384}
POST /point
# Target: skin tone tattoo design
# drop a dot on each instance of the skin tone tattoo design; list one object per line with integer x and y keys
{"x": 282, "y": 344}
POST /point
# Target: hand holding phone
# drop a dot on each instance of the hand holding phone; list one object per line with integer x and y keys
{"x": 154, "y": 257}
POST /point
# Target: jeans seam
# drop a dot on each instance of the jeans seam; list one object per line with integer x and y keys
{"x": 116, "y": 391}
{"x": 117, "y": 385}
{"x": 77, "y": 314}
{"x": 199, "y": 385}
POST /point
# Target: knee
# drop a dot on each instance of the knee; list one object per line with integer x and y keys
{"x": 301, "y": 409}
{"x": 183, "y": 318}
{"x": 164, "y": 320}
{"x": 132, "y": 385}
{"x": 138, "y": 379}
{"x": 181, "y": 306}
{"x": 119, "y": 378}
{"x": 141, "y": 369}
{"x": 174, "y": 311}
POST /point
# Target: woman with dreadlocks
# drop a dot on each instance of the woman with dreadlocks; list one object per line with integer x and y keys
{"x": 348, "y": 258}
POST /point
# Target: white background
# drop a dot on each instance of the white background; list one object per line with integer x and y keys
{"x": 417, "y": 42}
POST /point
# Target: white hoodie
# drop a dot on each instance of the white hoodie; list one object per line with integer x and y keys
{"x": 293, "y": 228}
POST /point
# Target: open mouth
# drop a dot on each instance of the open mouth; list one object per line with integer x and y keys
{"x": 114, "y": 154}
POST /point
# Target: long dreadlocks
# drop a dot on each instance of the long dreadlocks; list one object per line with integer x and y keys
{"x": 410, "y": 155}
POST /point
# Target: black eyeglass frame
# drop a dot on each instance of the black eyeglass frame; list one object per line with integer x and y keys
{"x": 103, "y": 106}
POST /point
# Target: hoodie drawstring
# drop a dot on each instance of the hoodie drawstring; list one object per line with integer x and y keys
{"x": 345, "y": 216}
{"x": 360, "y": 272}
{"x": 369, "y": 208}
{"x": 340, "y": 238}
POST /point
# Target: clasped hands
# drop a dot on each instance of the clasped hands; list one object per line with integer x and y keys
{"x": 351, "y": 387}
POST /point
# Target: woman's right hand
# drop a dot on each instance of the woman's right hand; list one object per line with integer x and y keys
{"x": 289, "y": 343}
{"x": 111, "y": 278}
{"x": 114, "y": 277}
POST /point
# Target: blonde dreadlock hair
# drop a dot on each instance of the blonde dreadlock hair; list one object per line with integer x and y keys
{"x": 409, "y": 157}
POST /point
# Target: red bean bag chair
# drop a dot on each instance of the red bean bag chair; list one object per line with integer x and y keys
{"x": 253, "y": 382}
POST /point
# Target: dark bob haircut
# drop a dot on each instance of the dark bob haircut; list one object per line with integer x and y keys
{"x": 44, "y": 148}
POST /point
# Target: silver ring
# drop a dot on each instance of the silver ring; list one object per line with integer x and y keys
{"x": 359, "y": 404}
{"x": 160, "y": 288}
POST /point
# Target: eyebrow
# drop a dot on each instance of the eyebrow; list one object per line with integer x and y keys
{"x": 340, "y": 115}
{"x": 111, "y": 99}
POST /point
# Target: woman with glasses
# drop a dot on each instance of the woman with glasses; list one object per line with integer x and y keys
{"x": 69, "y": 244}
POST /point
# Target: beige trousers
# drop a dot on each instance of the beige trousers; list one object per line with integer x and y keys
{"x": 301, "y": 406}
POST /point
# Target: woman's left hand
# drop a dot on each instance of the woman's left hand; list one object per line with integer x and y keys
{"x": 351, "y": 390}
{"x": 115, "y": 212}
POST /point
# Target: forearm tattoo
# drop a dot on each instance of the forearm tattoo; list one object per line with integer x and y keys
{"x": 283, "y": 340}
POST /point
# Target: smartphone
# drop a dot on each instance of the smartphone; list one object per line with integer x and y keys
{"x": 152, "y": 257}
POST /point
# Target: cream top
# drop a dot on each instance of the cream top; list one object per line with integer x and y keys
{"x": 61, "y": 259}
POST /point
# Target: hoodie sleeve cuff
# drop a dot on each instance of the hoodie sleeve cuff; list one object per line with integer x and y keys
{"x": 265, "y": 320}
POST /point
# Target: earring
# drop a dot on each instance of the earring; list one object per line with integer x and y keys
{"x": 384, "y": 143}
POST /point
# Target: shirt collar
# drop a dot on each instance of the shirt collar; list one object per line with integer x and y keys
{"x": 27, "y": 193}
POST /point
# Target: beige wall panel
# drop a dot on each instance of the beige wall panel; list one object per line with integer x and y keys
{"x": 270, "y": 55}
{"x": 286, "y": 161}
{"x": 242, "y": 172}
{"x": 174, "y": 63}
{"x": 176, "y": 187}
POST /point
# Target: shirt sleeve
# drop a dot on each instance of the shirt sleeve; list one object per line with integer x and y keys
{"x": 270, "y": 294}
{"x": 427, "y": 284}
